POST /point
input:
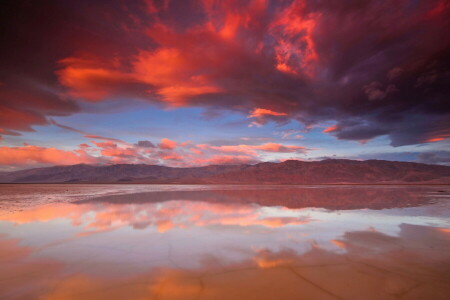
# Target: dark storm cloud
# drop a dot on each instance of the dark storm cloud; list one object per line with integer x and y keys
{"x": 34, "y": 36}
{"x": 373, "y": 67}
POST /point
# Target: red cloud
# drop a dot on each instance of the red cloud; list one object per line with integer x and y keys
{"x": 295, "y": 50}
{"x": 17, "y": 119}
{"x": 215, "y": 57}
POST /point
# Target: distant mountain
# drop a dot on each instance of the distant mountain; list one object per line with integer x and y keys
{"x": 329, "y": 171}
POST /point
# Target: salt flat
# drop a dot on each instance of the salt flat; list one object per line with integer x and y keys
{"x": 224, "y": 242}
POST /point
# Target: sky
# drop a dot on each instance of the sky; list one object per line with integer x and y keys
{"x": 198, "y": 82}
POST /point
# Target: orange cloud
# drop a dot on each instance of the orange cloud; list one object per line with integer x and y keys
{"x": 339, "y": 244}
{"x": 170, "y": 156}
{"x": 438, "y": 138}
{"x": 174, "y": 75}
{"x": 34, "y": 154}
{"x": 295, "y": 51}
{"x": 444, "y": 230}
{"x": 94, "y": 80}
{"x": 330, "y": 129}
{"x": 203, "y": 60}
{"x": 279, "y": 148}
{"x": 167, "y": 144}
{"x": 262, "y": 116}
{"x": 260, "y": 112}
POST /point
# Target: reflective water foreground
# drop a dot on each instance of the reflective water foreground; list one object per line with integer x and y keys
{"x": 224, "y": 242}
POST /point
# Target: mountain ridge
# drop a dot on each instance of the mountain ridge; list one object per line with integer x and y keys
{"x": 330, "y": 171}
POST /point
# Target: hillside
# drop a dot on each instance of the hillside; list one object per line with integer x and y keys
{"x": 289, "y": 172}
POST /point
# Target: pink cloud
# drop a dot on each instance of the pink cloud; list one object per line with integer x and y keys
{"x": 170, "y": 153}
{"x": 253, "y": 149}
{"x": 167, "y": 144}
{"x": 274, "y": 147}
{"x": 29, "y": 155}
{"x": 225, "y": 160}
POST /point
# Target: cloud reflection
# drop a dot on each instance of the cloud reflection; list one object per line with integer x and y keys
{"x": 374, "y": 266}
{"x": 165, "y": 216}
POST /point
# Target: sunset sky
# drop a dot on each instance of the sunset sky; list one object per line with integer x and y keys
{"x": 192, "y": 83}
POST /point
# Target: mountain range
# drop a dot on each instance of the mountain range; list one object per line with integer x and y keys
{"x": 330, "y": 171}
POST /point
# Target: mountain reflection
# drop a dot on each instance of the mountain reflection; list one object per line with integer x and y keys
{"x": 181, "y": 209}
{"x": 342, "y": 198}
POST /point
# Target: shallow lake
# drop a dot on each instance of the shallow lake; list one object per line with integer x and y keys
{"x": 224, "y": 242}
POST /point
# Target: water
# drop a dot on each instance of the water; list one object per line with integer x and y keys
{"x": 224, "y": 242}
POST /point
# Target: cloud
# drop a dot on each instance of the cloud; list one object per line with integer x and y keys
{"x": 434, "y": 157}
{"x": 168, "y": 152}
{"x": 53, "y": 122}
{"x": 253, "y": 149}
{"x": 377, "y": 75}
{"x": 279, "y": 148}
{"x": 85, "y": 134}
{"x": 291, "y": 134}
{"x": 93, "y": 81}
{"x": 260, "y": 112}
{"x": 261, "y": 116}
{"x": 30, "y": 155}
{"x": 330, "y": 129}
{"x": 394, "y": 73}
{"x": 145, "y": 144}
{"x": 167, "y": 144}
{"x": 226, "y": 160}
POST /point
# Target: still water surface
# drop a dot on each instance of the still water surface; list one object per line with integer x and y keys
{"x": 224, "y": 242}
